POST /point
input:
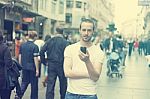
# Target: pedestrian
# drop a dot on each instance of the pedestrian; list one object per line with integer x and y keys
{"x": 17, "y": 47}
{"x": 44, "y": 82}
{"x": 55, "y": 57}
{"x": 83, "y": 68}
{"x": 148, "y": 50}
{"x": 111, "y": 43}
{"x": 5, "y": 62}
{"x": 39, "y": 42}
{"x": 24, "y": 38}
{"x": 28, "y": 58}
{"x": 130, "y": 43}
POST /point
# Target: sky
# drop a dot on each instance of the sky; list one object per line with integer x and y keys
{"x": 126, "y": 14}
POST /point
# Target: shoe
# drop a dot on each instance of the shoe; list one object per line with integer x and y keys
{"x": 17, "y": 97}
{"x": 44, "y": 84}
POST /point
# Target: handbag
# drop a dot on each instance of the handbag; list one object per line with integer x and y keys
{"x": 12, "y": 74}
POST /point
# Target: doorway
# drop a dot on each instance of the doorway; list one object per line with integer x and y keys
{"x": 8, "y": 27}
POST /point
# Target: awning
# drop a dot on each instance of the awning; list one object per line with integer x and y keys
{"x": 27, "y": 13}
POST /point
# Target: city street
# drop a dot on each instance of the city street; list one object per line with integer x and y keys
{"x": 114, "y": 24}
{"x": 133, "y": 85}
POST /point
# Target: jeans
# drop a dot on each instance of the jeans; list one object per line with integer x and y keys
{"x": 77, "y": 96}
{"x": 54, "y": 71}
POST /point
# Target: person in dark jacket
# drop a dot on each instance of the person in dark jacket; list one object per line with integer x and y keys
{"x": 55, "y": 57}
{"x": 5, "y": 62}
{"x": 111, "y": 43}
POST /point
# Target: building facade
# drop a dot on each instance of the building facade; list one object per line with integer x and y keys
{"x": 58, "y": 10}
{"x": 75, "y": 10}
{"x": 146, "y": 20}
{"x": 44, "y": 15}
{"x": 17, "y": 16}
{"x": 23, "y": 15}
{"x": 99, "y": 10}
{"x": 51, "y": 12}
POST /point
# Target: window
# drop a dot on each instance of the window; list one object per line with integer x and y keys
{"x": 85, "y": 6}
{"x": 69, "y": 4}
{"x": 42, "y": 4}
{"x": 53, "y": 8}
{"x": 68, "y": 18}
{"x": 27, "y": 1}
{"x": 78, "y": 4}
{"x": 61, "y": 7}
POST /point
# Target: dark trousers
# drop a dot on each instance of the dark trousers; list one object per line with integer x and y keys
{"x": 40, "y": 65}
{"x": 130, "y": 50}
{"x": 5, "y": 94}
{"x": 29, "y": 76}
{"x": 54, "y": 71}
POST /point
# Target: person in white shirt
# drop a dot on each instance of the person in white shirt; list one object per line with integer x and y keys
{"x": 83, "y": 69}
{"x": 39, "y": 42}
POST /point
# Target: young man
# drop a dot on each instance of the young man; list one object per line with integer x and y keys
{"x": 28, "y": 58}
{"x": 83, "y": 70}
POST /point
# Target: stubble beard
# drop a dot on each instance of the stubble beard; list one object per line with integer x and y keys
{"x": 87, "y": 39}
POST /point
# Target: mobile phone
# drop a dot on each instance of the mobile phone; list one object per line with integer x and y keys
{"x": 83, "y": 49}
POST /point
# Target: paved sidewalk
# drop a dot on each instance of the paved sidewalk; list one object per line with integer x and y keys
{"x": 133, "y": 85}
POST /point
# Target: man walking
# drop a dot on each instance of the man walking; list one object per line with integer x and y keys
{"x": 55, "y": 56}
{"x": 28, "y": 58}
{"x": 83, "y": 68}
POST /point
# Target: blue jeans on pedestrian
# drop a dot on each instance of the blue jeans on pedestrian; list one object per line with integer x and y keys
{"x": 78, "y": 96}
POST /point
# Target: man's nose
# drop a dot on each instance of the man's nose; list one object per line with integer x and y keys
{"x": 86, "y": 32}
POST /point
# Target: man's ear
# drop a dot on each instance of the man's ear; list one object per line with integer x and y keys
{"x": 93, "y": 33}
{"x": 79, "y": 30}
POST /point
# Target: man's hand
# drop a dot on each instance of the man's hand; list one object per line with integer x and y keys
{"x": 37, "y": 73}
{"x": 84, "y": 57}
{"x": 94, "y": 69}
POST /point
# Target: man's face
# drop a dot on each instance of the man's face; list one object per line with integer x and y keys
{"x": 110, "y": 34}
{"x": 86, "y": 31}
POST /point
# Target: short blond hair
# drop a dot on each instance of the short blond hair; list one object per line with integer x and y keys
{"x": 32, "y": 34}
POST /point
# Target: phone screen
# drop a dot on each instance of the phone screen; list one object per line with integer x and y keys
{"x": 83, "y": 49}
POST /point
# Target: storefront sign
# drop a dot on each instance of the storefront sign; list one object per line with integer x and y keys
{"x": 28, "y": 19}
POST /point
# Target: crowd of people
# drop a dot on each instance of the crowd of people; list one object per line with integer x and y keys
{"x": 77, "y": 70}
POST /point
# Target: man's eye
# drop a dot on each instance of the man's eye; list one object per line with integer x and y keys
{"x": 83, "y": 29}
{"x": 89, "y": 30}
